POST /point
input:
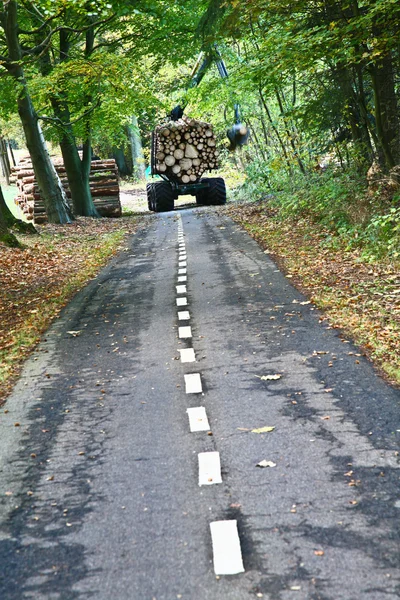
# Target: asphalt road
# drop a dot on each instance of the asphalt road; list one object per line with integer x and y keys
{"x": 100, "y": 494}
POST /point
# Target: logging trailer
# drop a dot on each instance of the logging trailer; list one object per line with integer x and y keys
{"x": 183, "y": 149}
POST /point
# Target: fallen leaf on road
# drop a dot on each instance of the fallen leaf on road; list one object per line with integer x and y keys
{"x": 74, "y": 333}
{"x": 263, "y": 430}
{"x": 243, "y": 429}
{"x": 319, "y": 552}
{"x": 326, "y": 418}
{"x": 269, "y": 377}
{"x": 266, "y": 463}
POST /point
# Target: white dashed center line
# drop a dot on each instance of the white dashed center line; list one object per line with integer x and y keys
{"x": 226, "y": 548}
{"x": 181, "y": 289}
{"x": 187, "y": 355}
{"x": 182, "y": 278}
{"x": 182, "y": 271}
{"x": 181, "y": 301}
{"x": 193, "y": 383}
{"x": 185, "y": 332}
{"x": 182, "y": 263}
{"x": 183, "y": 315}
{"x": 198, "y": 420}
{"x": 209, "y": 468}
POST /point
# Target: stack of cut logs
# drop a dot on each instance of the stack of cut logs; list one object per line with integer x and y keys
{"x": 103, "y": 181}
{"x": 185, "y": 149}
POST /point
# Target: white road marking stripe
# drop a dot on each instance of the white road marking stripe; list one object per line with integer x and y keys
{"x": 184, "y": 315}
{"x": 181, "y": 301}
{"x": 226, "y": 548}
{"x": 198, "y": 420}
{"x": 182, "y": 278}
{"x": 193, "y": 383}
{"x": 185, "y": 332}
{"x": 181, "y": 289}
{"x": 183, "y": 256}
{"x": 182, "y": 263}
{"x": 187, "y": 355}
{"x": 182, "y": 271}
{"x": 209, "y": 468}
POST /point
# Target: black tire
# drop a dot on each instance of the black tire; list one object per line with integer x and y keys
{"x": 216, "y": 191}
{"x": 150, "y": 195}
{"x": 163, "y": 197}
{"x": 201, "y": 196}
{"x": 215, "y": 194}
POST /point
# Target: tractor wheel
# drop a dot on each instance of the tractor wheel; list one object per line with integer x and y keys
{"x": 216, "y": 193}
{"x": 150, "y": 195}
{"x": 201, "y": 196}
{"x": 163, "y": 197}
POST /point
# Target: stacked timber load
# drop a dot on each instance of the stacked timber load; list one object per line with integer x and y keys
{"x": 103, "y": 181}
{"x": 183, "y": 150}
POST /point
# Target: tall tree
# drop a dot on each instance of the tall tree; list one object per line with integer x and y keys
{"x": 54, "y": 198}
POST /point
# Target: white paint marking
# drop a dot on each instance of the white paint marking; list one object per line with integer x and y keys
{"x": 182, "y": 263}
{"x": 181, "y": 289}
{"x": 187, "y": 355}
{"x": 193, "y": 383}
{"x": 185, "y": 332}
{"x": 182, "y": 271}
{"x": 183, "y": 315}
{"x": 209, "y": 468}
{"x": 181, "y": 301}
{"x": 183, "y": 256}
{"x": 198, "y": 420}
{"x": 182, "y": 278}
{"x": 226, "y": 548}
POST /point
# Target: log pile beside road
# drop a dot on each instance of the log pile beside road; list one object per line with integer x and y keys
{"x": 103, "y": 181}
{"x": 184, "y": 150}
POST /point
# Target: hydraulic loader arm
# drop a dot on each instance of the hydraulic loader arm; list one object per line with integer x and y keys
{"x": 238, "y": 134}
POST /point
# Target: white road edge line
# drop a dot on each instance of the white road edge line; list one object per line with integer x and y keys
{"x": 198, "y": 420}
{"x": 193, "y": 383}
{"x": 209, "y": 468}
{"x": 226, "y": 548}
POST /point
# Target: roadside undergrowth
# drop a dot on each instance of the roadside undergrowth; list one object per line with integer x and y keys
{"x": 37, "y": 281}
{"x": 362, "y": 298}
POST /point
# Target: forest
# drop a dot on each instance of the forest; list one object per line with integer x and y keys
{"x": 317, "y": 82}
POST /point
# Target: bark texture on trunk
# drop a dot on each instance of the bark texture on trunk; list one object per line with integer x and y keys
{"x": 6, "y": 237}
{"x": 386, "y": 112}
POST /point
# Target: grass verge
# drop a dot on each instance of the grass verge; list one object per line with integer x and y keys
{"x": 38, "y": 281}
{"x": 359, "y": 297}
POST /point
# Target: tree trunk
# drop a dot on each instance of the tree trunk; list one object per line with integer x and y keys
{"x": 54, "y": 198}
{"x": 386, "y": 111}
{"x": 138, "y": 164}
{"x": 78, "y": 178}
{"x": 6, "y": 237}
{"x": 282, "y": 145}
{"x": 5, "y": 163}
{"x": 123, "y": 167}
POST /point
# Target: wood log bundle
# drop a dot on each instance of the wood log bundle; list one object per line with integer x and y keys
{"x": 103, "y": 181}
{"x": 184, "y": 150}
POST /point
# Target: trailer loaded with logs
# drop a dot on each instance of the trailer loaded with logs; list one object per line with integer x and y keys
{"x": 182, "y": 151}
{"x": 103, "y": 181}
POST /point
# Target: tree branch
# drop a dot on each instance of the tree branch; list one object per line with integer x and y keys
{"x": 58, "y": 121}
